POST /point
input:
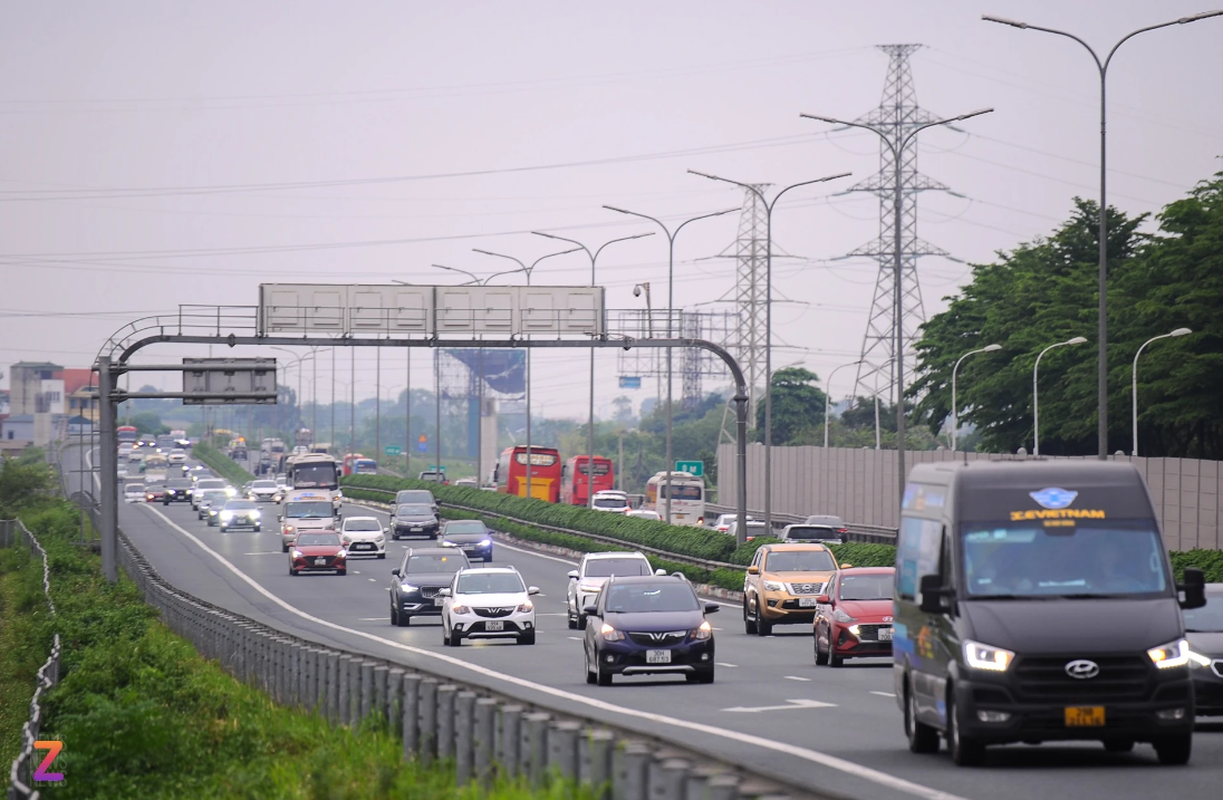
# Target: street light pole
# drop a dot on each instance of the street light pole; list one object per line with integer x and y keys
{"x": 955, "y": 422}
{"x": 897, "y": 149}
{"x": 1134, "y": 381}
{"x": 1035, "y": 397}
{"x": 670, "y": 312}
{"x": 768, "y": 326}
{"x": 828, "y": 396}
{"x": 528, "y": 270}
{"x": 590, "y": 433}
{"x": 1102, "y": 235}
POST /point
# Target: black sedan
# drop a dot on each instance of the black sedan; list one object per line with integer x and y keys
{"x": 240, "y": 514}
{"x": 649, "y": 624}
{"x": 414, "y": 520}
{"x": 1204, "y": 629}
{"x": 470, "y": 536}
{"x": 178, "y": 490}
{"x": 418, "y": 579}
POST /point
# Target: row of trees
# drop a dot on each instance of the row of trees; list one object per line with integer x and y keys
{"x": 1044, "y": 292}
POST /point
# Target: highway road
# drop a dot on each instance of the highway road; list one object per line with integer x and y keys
{"x": 771, "y": 707}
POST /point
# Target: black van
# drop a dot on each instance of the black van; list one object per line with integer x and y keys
{"x": 1035, "y": 602}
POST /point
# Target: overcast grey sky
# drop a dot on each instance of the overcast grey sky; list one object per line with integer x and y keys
{"x": 174, "y": 96}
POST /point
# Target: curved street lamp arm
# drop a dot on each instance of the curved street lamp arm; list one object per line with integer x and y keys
{"x": 472, "y": 275}
{"x": 553, "y": 255}
{"x": 825, "y": 179}
{"x": 580, "y": 246}
{"x": 1181, "y": 21}
{"x": 501, "y": 255}
{"x": 747, "y": 186}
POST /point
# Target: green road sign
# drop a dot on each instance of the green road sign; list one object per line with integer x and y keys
{"x": 393, "y": 450}
{"x": 697, "y": 468}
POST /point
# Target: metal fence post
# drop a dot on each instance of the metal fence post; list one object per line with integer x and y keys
{"x": 668, "y": 777}
{"x": 722, "y": 787}
{"x": 333, "y": 687}
{"x": 534, "y": 751}
{"x": 563, "y": 749}
{"x": 631, "y": 781}
{"x": 346, "y": 672}
{"x": 509, "y": 739}
{"x": 445, "y": 720}
{"x": 367, "y": 692}
{"x": 485, "y": 740}
{"x": 596, "y": 767}
{"x": 411, "y": 720}
{"x": 394, "y": 701}
{"x": 464, "y": 747}
{"x": 379, "y": 711}
{"x": 427, "y": 720}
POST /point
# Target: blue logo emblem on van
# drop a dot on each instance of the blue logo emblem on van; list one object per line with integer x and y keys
{"x": 1053, "y": 497}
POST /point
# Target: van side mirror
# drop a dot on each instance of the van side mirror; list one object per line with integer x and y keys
{"x": 591, "y": 611}
{"x": 573, "y": 574}
{"x": 933, "y": 594}
{"x": 753, "y": 570}
{"x": 395, "y": 572}
{"x": 1194, "y": 588}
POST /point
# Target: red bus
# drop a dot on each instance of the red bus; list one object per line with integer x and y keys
{"x": 350, "y": 463}
{"x": 127, "y": 433}
{"x": 510, "y": 474}
{"x": 574, "y": 479}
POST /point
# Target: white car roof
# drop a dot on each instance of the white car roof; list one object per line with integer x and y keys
{"x": 614, "y": 554}
{"x": 362, "y": 519}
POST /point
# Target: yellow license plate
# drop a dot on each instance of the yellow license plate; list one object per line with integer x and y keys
{"x": 1085, "y": 716}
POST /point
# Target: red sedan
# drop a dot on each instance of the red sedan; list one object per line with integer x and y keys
{"x": 320, "y": 551}
{"x": 853, "y": 617}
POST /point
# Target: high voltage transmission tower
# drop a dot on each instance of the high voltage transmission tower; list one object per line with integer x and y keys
{"x": 898, "y": 113}
{"x": 751, "y": 295}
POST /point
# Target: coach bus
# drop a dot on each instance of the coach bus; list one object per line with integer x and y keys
{"x": 687, "y": 497}
{"x": 127, "y": 433}
{"x": 510, "y": 474}
{"x": 574, "y": 479}
{"x": 316, "y": 471}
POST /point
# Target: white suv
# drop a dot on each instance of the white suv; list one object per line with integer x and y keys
{"x": 363, "y": 536}
{"x": 487, "y": 603}
{"x": 587, "y": 580}
{"x": 611, "y": 500}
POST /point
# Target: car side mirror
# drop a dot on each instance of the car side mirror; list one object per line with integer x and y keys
{"x": 712, "y": 608}
{"x": 823, "y": 599}
{"x": 660, "y": 572}
{"x": 532, "y": 590}
{"x": 933, "y": 594}
{"x": 591, "y": 611}
{"x": 1194, "y": 588}
{"x": 573, "y": 574}
{"x": 753, "y": 570}
{"x": 443, "y": 593}
{"x": 846, "y": 566}
{"x": 395, "y": 572}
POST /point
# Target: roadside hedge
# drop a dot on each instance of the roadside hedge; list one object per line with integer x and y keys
{"x": 221, "y": 464}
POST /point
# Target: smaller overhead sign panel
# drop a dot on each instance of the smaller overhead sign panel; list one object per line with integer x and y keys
{"x": 630, "y": 382}
{"x": 229, "y": 381}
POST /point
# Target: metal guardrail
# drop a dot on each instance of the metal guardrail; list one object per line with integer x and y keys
{"x": 21, "y": 774}
{"x": 866, "y": 534}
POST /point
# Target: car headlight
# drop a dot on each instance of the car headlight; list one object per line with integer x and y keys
{"x": 231, "y": 491}
{"x": 289, "y": 529}
{"x": 840, "y": 616}
{"x": 587, "y": 588}
{"x": 409, "y": 588}
{"x": 255, "y": 514}
{"x": 342, "y": 554}
{"x": 227, "y": 515}
{"x": 526, "y": 606}
{"x": 774, "y": 586}
{"x": 610, "y": 634}
{"x": 296, "y": 553}
{"x": 703, "y": 632}
{"x": 1170, "y": 655}
{"x": 448, "y": 544}
{"x": 987, "y": 657}
{"x": 460, "y": 609}
{"x": 486, "y": 543}
{"x": 339, "y": 495}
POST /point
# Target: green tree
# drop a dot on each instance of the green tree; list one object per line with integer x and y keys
{"x": 798, "y": 405}
{"x": 149, "y": 422}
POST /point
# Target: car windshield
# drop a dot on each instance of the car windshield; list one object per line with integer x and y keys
{"x": 133, "y": 488}
{"x": 1208, "y": 618}
{"x": 210, "y": 483}
{"x": 313, "y": 476}
{"x": 214, "y": 495}
{"x": 435, "y": 563}
{"x": 314, "y": 509}
{"x": 636, "y": 598}
{"x": 606, "y": 567}
{"x": 866, "y": 587}
{"x": 239, "y": 505}
{"x": 414, "y": 496}
{"x": 800, "y": 561}
{"x": 263, "y": 485}
{"x": 490, "y": 583}
{"x": 179, "y": 483}
{"x": 414, "y": 511}
{"x": 362, "y": 525}
{"x": 610, "y": 502}
{"x": 1030, "y": 560}
{"x": 318, "y": 540}
{"x": 811, "y": 532}
{"x": 465, "y": 526}
{"x": 680, "y": 492}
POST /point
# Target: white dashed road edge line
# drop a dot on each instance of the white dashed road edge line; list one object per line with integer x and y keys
{"x": 812, "y": 756}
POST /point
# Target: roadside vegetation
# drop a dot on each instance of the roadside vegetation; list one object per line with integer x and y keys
{"x": 221, "y": 464}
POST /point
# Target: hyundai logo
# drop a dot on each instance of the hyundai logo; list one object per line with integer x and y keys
{"x": 1082, "y": 669}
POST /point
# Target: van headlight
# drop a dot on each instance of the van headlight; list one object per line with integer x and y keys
{"x": 987, "y": 657}
{"x": 1170, "y": 655}
{"x": 1198, "y": 660}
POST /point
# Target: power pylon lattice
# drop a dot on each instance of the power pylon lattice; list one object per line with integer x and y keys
{"x": 897, "y": 115}
{"x": 751, "y": 294}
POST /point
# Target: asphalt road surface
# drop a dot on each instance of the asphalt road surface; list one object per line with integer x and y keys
{"x": 771, "y": 708}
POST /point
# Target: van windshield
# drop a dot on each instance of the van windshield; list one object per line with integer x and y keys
{"x": 1208, "y": 618}
{"x": 1029, "y": 560}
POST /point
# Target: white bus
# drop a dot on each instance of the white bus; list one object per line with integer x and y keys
{"x": 687, "y": 497}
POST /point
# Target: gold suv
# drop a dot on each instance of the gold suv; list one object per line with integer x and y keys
{"x": 782, "y": 583}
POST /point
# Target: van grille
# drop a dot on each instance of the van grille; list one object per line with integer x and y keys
{"x": 1044, "y": 678}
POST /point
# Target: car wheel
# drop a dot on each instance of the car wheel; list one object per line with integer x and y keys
{"x": 590, "y": 674}
{"x": 456, "y": 639}
{"x": 821, "y": 658}
{"x": 580, "y": 622}
{"x": 922, "y": 738}
{"x": 292, "y": 572}
{"x": 749, "y": 624}
{"x": 258, "y": 528}
{"x": 701, "y": 676}
{"x": 527, "y": 638}
{"x": 394, "y": 614}
{"x": 488, "y": 557}
{"x": 965, "y": 750}
{"x": 602, "y": 678}
{"x": 834, "y": 660}
{"x": 341, "y": 572}
{"x": 1174, "y": 750}
{"x": 223, "y": 529}
{"x": 284, "y": 548}
{"x": 382, "y": 555}
{"x": 405, "y": 619}
{"x": 763, "y": 626}
{"x": 394, "y": 537}
{"x": 1118, "y": 745}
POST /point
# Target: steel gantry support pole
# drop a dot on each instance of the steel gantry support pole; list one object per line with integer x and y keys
{"x": 108, "y": 483}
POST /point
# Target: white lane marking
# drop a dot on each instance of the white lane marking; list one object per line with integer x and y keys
{"x": 790, "y": 704}
{"x": 372, "y": 580}
{"x": 263, "y": 553}
{"x": 885, "y": 694}
{"x": 797, "y": 678}
{"x": 833, "y": 762}
{"x": 576, "y": 638}
{"x": 372, "y": 619}
{"x": 724, "y": 664}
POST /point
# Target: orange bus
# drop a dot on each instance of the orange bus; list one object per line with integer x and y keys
{"x": 510, "y": 474}
{"x": 575, "y": 479}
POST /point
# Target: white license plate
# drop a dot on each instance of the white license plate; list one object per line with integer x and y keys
{"x": 437, "y": 601}
{"x": 658, "y": 656}
{"x": 494, "y": 625}
{"x": 885, "y": 634}
{"x": 364, "y": 547}
{"x": 318, "y": 562}
{"x": 806, "y": 602}
{"x": 418, "y": 530}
